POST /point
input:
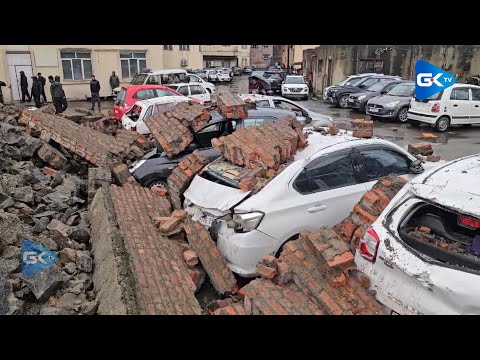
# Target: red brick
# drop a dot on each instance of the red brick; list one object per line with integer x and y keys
{"x": 364, "y": 215}
{"x": 190, "y": 257}
{"x": 120, "y": 173}
{"x": 333, "y": 130}
{"x": 266, "y": 271}
{"x": 52, "y": 156}
{"x": 170, "y": 225}
{"x": 248, "y": 184}
{"x": 49, "y": 171}
{"x": 370, "y": 197}
{"x": 366, "y": 134}
{"x": 344, "y": 260}
{"x": 433, "y": 158}
{"x": 159, "y": 191}
{"x": 270, "y": 261}
{"x": 348, "y": 228}
{"x": 422, "y": 148}
{"x": 180, "y": 214}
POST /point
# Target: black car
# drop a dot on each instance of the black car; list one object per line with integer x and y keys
{"x": 358, "y": 101}
{"x": 156, "y": 166}
{"x": 338, "y": 95}
{"x": 275, "y": 78}
{"x": 236, "y": 71}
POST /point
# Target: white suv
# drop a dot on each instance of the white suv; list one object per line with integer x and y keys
{"x": 295, "y": 86}
{"x": 422, "y": 254}
{"x": 319, "y": 187}
{"x": 457, "y": 105}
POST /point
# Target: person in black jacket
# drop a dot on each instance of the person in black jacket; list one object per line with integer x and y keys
{"x": 59, "y": 100}
{"x": 24, "y": 87}
{"x": 43, "y": 81}
{"x": 36, "y": 91}
{"x": 95, "y": 90}
{"x": 1, "y": 94}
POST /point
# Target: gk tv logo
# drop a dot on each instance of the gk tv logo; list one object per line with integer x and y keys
{"x": 430, "y": 80}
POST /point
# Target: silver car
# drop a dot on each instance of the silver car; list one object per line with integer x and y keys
{"x": 394, "y": 104}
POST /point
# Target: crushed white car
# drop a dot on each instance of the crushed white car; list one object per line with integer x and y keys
{"x": 422, "y": 254}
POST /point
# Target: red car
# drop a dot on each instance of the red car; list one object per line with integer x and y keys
{"x": 130, "y": 94}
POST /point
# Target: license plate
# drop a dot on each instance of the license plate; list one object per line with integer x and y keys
{"x": 373, "y": 110}
{"x": 205, "y": 220}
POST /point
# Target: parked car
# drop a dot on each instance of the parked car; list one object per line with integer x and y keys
{"x": 338, "y": 95}
{"x": 276, "y": 79}
{"x": 157, "y": 77}
{"x": 224, "y": 76}
{"x": 457, "y": 105}
{"x": 304, "y": 116}
{"x": 130, "y": 94}
{"x": 394, "y": 104}
{"x": 236, "y": 71}
{"x": 195, "y": 78}
{"x": 156, "y": 166}
{"x": 247, "y": 70}
{"x": 319, "y": 187}
{"x": 229, "y": 70}
{"x": 211, "y": 75}
{"x": 134, "y": 118}
{"x": 201, "y": 73}
{"x": 295, "y": 86}
{"x": 358, "y": 101}
{"x": 193, "y": 90}
{"x": 436, "y": 269}
{"x": 348, "y": 81}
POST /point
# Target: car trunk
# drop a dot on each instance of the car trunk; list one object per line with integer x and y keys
{"x": 444, "y": 235}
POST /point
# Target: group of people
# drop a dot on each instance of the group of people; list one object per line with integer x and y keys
{"x": 37, "y": 92}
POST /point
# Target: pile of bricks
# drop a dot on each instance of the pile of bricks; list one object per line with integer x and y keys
{"x": 106, "y": 125}
{"x": 163, "y": 282}
{"x": 182, "y": 175}
{"x": 97, "y": 177}
{"x": 121, "y": 175}
{"x": 423, "y": 151}
{"x": 95, "y": 147}
{"x": 266, "y": 146}
{"x": 231, "y": 106}
{"x": 368, "y": 209}
{"x": 169, "y": 225}
{"x": 213, "y": 262}
{"x": 172, "y": 128}
{"x": 362, "y": 128}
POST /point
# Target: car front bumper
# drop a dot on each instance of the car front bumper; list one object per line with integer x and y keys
{"x": 357, "y": 104}
{"x": 295, "y": 95}
{"x": 387, "y": 113}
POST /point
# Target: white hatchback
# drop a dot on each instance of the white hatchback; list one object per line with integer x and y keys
{"x": 422, "y": 254}
{"x": 457, "y": 105}
{"x": 318, "y": 188}
{"x": 193, "y": 90}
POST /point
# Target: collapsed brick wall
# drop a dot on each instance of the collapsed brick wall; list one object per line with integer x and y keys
{"x": 213, "y": 262}
{"x": 95, "y": 147}
{"x": 182, "y": 175}
{"x": 97, "y": 177}
{"x": 266, "y": 146}
{"x": 163, "y": 281}
{"x": 172, "y": 128}
{"x": 366, "y": 211}
{"x": 231, "y": 106}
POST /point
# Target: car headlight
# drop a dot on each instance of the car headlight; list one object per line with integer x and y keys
{"x": 246, "y": 222}
{"x": 285, "y": 89}
{"x": 392, "y": 104}
{"x": 361, "y": 97}
{"x": 305, "y": 89}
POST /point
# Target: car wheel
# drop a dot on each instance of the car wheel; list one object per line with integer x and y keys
{"x": 414, "y": 122}
{"x": 342, "y": 101}
{"x": 403, "y": 115}
{"x": 442, "y": 124}
{"x": 155, "y": 182}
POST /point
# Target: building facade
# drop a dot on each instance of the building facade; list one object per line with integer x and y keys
{"x": 76, "y": 63}
{"x": 225, "y": 55}
{"x": 291, "y": 55}
{"x": 261, "y": 56}
{"x": 330, "y": 64}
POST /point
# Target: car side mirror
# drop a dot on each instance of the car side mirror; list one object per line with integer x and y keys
{"x": 416, "y": 167}
{"x": 361, "y": 86}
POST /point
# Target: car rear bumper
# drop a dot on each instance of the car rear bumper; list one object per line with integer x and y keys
{"x": 428, "y": 119}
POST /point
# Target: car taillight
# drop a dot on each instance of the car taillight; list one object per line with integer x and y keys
{"x": 436, "y": 107}
{"x": 469, "y": 222}
{"x": 133, "y": 128}
{"x": 369, "y": 245}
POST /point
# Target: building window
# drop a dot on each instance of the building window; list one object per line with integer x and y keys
{"x": 168, "y": 47}
{"x": 365, "y": 66}
{"x": 226, "y": 63}
{"x": 184, "y": 47}
{"x": 132, "y": 63}
{"x": 76, "y": 65}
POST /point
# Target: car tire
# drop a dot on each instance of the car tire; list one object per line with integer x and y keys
{"x": 442, "y": 124}
{"x": 155, "y": 182}
{"x": 402, "y": 115}
{"x": 414, "y": 122}
{"x": 342, "y": 101}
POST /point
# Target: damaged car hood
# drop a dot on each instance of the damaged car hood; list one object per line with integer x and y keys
{"x": 454, "y": 185}
{"x": 210, "y": 195}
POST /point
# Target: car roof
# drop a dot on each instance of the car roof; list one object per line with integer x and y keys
{"x": 295, "y": 76}
{"x": 164, "y": 71}
{"x": 144, "y": 86}
{"x": 463, "y": 85}
{"x": 162, "y": 100}
{"x": 185, "y": 84}
{"x": 453, "y": 185}
{"x": 217, "y": 117}
{"x": 264, "y": 97}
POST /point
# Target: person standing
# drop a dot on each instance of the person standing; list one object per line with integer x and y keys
{"x": 95, "y": 90}
{"x": 43, "y": 81}
{"x": 24, "y": 87}
{"x": 58, "y": 94}
{"x": 114, "y": 81}
{"x": 50, "y": 80}
{"x": 36, "y": 91}
{"x": 1, "y": 93}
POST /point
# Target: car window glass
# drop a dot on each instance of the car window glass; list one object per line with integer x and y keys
{"x": 383, "y": 162}
{"x": 121, "y": 97}
{"x": 390, "y": 87}
{"x": 145, "y": 94}
{"x": 475, "y": 94}
{"x": 285, "y": 105}
{"x": 330, "y": 173}
{"x": 459, "y": 94}
{"x": 163, "y": 92}
{"x": 148, "y": 113}
{"x": 249, "y": 122}
{"x": 153, "y": 80}
{"x": 196, "y": 90}
{"x": 183, "y": 90}
{"x": 210, "y": 128}
{"x": 263, "y": 104}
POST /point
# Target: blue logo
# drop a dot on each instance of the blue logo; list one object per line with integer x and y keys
{"x": 36, "y": 258}
{"x": 430, "y": 80}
